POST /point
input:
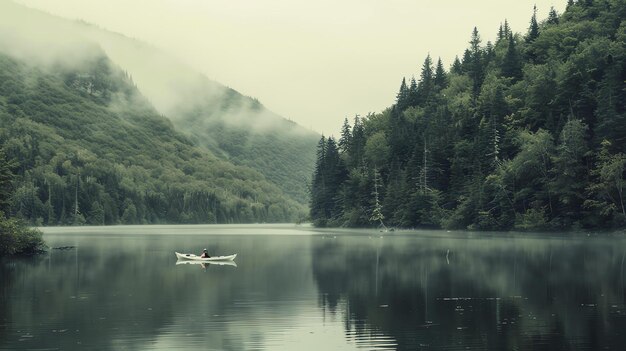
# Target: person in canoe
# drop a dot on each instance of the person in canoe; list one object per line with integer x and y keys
{"x": 205, "y": 254}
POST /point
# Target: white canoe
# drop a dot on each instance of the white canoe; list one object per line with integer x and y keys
{"x": 193, "y": 257}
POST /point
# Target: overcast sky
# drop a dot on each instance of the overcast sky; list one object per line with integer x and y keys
{"x": 315, "y": 61}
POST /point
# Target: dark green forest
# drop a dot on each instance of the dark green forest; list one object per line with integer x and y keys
{"x": 15, "y": 236}
{"x": 524, "y": 133}
{"x": 88, "y": 148}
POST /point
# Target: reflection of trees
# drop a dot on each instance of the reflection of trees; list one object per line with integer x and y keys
{"x": 503, "y": 293}
{"x": 6, "y": 276}
{"x": 116, "y": 295}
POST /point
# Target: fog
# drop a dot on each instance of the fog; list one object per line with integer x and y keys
{"x": 315, "y": 62}
{"x": 173, "y": 88}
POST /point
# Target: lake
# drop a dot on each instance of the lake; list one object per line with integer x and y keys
{"x": 298, "y": 288}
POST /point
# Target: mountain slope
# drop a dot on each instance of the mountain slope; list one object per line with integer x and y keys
{"x": 232, "y": 126}
{"x": 92, "y": 149}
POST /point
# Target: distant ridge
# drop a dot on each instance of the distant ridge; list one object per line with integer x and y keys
{"x": 218, "y": 118}
{"x": 92, "y": 149}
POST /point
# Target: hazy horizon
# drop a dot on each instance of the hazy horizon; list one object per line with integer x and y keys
{"x": 313, "y": 63}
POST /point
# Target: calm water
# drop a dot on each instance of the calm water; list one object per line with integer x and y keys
{"x": 293, "y": 288}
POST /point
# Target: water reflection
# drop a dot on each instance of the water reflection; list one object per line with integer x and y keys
{"x": 125, "y": 291}
{"x": 513, "y": 293}
{"x": 207, "y": 263}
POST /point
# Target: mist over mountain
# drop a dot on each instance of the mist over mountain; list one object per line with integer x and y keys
{"x": 232, "y": 126}
{"x": 91, "y": 119}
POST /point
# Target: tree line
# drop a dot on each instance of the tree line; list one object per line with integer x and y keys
{"x": 15, "y": 236}
{"x": 525, "y": 133}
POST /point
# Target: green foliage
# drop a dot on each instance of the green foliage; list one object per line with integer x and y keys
{"x": 96, "y": 215}
{"x": 377, "y": 149}
{"x": 330, "y": 173}
{"x": 17, "y": 238}
{"x": 280, "y": 150}
{"x": 6, "y": 178}
{"x": 521, "y": 134}
{"x": 532, "y": 220}
{"x": 606, "y": 193}
{"x": 91, "y": 150}
{"x": 533, "y": 30}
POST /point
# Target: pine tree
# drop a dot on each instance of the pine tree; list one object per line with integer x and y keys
{"x": 511, "y": 63}
{"x": 533, "y": 29}
{"x": 357, "y": 147}
{"x": 318, "y": 185}
{"x": 329, "y": 174}
{"x": 457, "y": 67}
{"x": 553, "y": 17}
{"x": 441, "y": 78}
{"x": 507, "y": 29}
{"x": 336, "y": 174}
{"x": 466, "y": 61}
{"x": 402, "y": 98}
{"x": 475, "y": 65}
{"x": 425, "y": 86}
{"x": 346, "y": 137}
{"x": 413, "y": 93}
{"x": 475, "y": 42}
{"x": 490, "y": 53}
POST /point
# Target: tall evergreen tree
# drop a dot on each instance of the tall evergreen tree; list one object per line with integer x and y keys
{"x": 357, "y": 147}
{"x": 318, "y": 185}
{"x": 506, "y": 29}
{"x": 413, "y": 93}
{"x": 402, "y": 98}
{"x": 553, "y": 17}
{"x": 475, "y": 67}
{"x": 475, "y": 42}
{"x": 346, "y": 137}
{"x": 329, "y": 174}
{"x": 426, "y": 83}
{"x": 533, "y": 29}
{"x": 489, "y": 53}
{"x": 466, "y": 61}
{"x": 441, "y": 78}
{"x": 457, "y": 67}
{"x": 511, "y": 63}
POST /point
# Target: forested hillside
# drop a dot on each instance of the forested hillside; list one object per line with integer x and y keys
{"x": 91, "y": 149}
{"x": 234, "y": 127}
{"x": 241, "y": 130}
{"x": 527, "y": 133}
